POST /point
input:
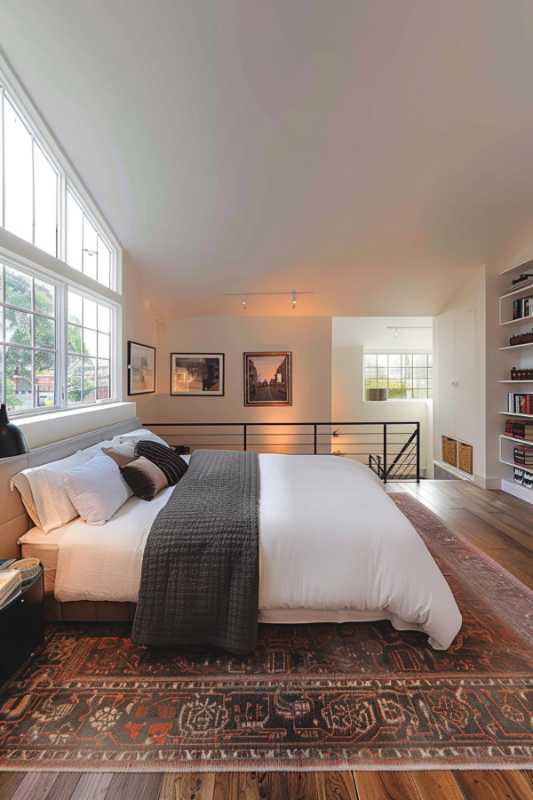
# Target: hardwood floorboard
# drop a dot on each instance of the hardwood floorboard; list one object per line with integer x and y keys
{"x": 494, "y": 785}
{"x": 496, "y": 523}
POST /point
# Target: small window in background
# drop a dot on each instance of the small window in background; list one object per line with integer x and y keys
{"x": 406, "y": 376}
{"x": 88, "y": 350}
{"x": 27, "y": 341}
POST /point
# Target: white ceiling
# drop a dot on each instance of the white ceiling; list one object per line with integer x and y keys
{"x": 371, "y": 151}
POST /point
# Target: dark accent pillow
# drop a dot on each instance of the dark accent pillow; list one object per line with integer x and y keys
{"x": 144, "y": 478}
{"x": 164, "y": 457}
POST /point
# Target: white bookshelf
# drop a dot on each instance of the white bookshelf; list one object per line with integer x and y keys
{"x": 521, "y": 357}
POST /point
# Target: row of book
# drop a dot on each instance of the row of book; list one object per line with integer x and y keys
{"x": 523, "y": 307}
{"x": 523, "y": 456}
{"x": 519, "y": 430}
{"x": 523, "y": 477}
{"x": 519, "y": 403}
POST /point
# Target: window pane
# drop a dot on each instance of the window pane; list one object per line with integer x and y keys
{"x": 75, "y": 306}
{"x": 45, "y": 295}
{"x": 395, "y": 360}
{"x": 1, "y": 324}
{"x": 89, "y": 380}
{"x": 45, "y": 202}
{"x": 104, "y": 263}
{"x": 104, "y": 319}
{"x": 45, "y": 332}
{"x": 74, "y": 379}
{"x": 370, "y": 359}
{"x": 90, "y": 250}
{"x": 104, "y": 383}
{"x": 382, "y": 360}
{"x": 75, "y": 339}
{"x": 19, "y": 394}
{"x": 18, "y": 177}
{"x": 18, "y": 327}
{"x": 89, "y": 314}
{"x": 89, "y": 342}
{"x": 419, "y": 359}
{"x": 104, "y": 348}
{"x": 44, "y": 368}
{"x": 74, "y": 232}
{"x": 18, "y": 289}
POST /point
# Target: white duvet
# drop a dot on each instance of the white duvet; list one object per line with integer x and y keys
{"x": 333, "y": 546}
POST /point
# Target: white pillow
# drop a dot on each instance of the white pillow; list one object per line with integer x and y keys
{"x": 51, "y": 501}
{"x": 97, "y": 489}
{"x": 138, "y": 435}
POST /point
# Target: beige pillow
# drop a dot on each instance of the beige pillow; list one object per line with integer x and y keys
{"x": 144, "y": 478}
{"x": 22, "y": 485}
{"x": 121, "y": 454}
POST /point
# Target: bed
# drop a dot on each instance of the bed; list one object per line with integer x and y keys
{"x": 333, "y": 547}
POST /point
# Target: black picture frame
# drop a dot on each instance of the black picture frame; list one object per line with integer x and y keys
{"x": 280, "y": 391}
{"x": 208, "y": 369}
{"x": 132, "y": 345}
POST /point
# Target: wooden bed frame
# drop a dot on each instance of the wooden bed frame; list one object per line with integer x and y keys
{"x": 14, "y": 521}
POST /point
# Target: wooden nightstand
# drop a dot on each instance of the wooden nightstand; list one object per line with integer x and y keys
{"x": 21, "y": 627}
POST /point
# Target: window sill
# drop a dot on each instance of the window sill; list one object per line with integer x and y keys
{"x": 52, "y": 426}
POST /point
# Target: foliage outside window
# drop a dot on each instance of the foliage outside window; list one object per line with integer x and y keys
{"x": 407, "y": 376}
{"x": 32, "y": 341}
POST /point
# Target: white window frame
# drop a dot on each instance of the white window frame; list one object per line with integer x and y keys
{"x": 399, "y": 352}
{"x": 67, "y": 175}
{"x": 62, "y": 285}
{"x": 26, "y": 257}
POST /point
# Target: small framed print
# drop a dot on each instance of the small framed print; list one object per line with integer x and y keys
{"x": 197, "y": 374}
{"x": 268, "y": 379}
{"x": 141, "y": 368}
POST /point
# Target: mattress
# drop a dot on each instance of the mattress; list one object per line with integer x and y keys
{"x": 44, "y": 546}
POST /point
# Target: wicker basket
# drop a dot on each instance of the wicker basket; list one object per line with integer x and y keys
{"x": 465, "y": 460}
{"x": 449, "y": 451}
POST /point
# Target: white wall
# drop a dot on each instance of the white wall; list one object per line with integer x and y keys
{"x": 459, "y": 365}
{"x": 308, "y": 338}
{"x": 351, "y": 336}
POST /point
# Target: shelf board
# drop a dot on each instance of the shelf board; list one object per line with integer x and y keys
{"x": 525, "y": 442}
{"x": 516, "y": 414}
{"x": 522, "y": 380}
{"x": 523, "y": 265}
{"x": 514, "y": 292}
{"x": 516, "y": 321}
{"x": 518, "y": 466}
{"x": 516, "y": 346}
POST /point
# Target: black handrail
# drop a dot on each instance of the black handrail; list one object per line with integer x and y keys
{"x": 387, "y": 444}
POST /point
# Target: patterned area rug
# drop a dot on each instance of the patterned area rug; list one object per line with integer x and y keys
{"x": 360, "y": 695}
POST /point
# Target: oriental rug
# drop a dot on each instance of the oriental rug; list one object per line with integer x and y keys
{"x": 357, "y": 696}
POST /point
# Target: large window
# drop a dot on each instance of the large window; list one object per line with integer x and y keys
{"x": 407, "y": 376}
{"x": 39, "y": 203}
{"x": 57, "y": 345}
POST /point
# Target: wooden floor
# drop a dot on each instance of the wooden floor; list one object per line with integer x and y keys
{"x": 498, "y": 524}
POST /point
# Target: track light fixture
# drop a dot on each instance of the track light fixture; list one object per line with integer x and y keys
{"x": 293, "y": 294}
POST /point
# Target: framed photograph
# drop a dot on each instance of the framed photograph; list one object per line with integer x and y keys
{"x": 268, "y": 379}
{"x": 197, "y": 374}
{"x": 141, "y": 368}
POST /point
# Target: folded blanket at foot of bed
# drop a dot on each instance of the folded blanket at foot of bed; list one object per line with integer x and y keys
{"x": 200, "y": 572}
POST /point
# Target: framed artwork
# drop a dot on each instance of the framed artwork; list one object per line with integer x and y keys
{"x": 197, "y": 374}
{"x": 141, "y": 368}
{"x": 268, "y": 379}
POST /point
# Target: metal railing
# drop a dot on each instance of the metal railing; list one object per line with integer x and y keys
{"x": 391, "y": 449}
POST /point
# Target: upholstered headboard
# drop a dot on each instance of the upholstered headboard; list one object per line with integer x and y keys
{"x": 13, "y": 518}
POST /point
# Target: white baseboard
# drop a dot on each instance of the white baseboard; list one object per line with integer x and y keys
{"x": 517, "y": 491}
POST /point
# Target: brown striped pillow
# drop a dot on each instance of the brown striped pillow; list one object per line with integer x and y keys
{"x": 144, "y": 478}
{"x": 164, "y": 457}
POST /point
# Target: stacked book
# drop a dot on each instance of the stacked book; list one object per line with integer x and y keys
{"x": 519, "y": 403}
{"x": 523, "y": 456}
{"x": 523, "y": 307}
{"x": 10, "y": 583}
{"x": 523, "y": 477}
{"x": 519, "y": 430}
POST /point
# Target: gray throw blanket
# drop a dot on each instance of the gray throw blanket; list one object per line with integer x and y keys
{"x": 200, "y": 571}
